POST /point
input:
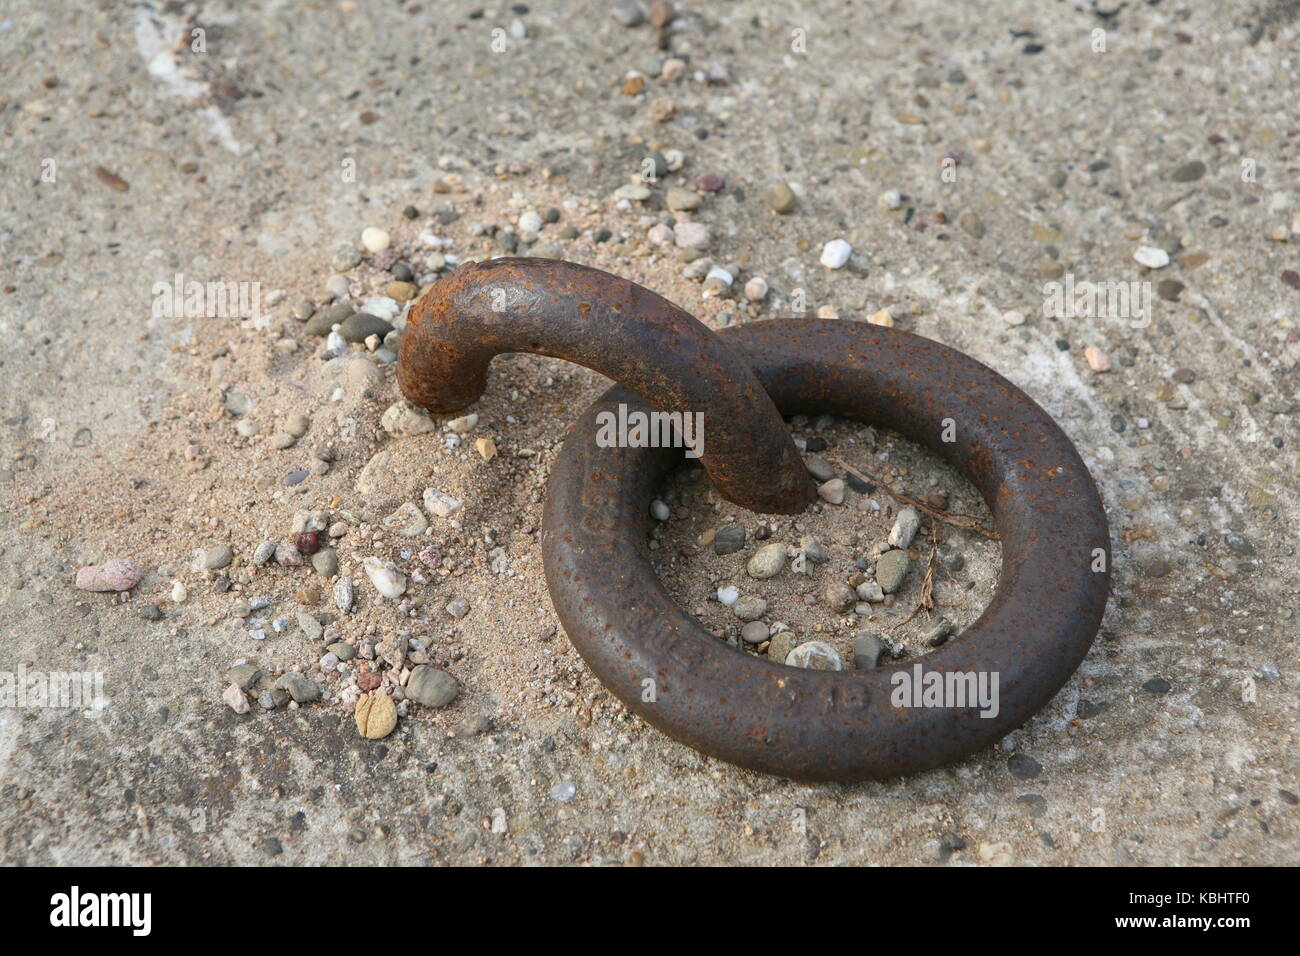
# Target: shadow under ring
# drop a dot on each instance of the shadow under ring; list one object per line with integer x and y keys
{"x": 828, "y": 725}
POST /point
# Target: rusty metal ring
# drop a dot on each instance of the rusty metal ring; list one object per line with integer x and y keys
{"x": 619, "y": 329}
{"x": 824, "y": 725}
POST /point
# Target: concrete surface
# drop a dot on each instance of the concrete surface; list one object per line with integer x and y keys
{"x": 1201, "y": 501}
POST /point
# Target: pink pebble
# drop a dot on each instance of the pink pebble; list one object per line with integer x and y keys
{"x": 119, "y": 574}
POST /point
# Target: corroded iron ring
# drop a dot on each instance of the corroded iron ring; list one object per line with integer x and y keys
{"x": 824, "y": 725}
{"x": 617, "y": 328}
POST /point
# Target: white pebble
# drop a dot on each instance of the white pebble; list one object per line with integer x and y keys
{"x": 530, "y": 222}
{"x": 721, "y": 274}
{"x": 440, "y": 503}
{"x": 387, "y": 579}
{"x": 835, "y": 253}
{"x": 729, "y": 595}
{"x": 463, "y": 424}
{"x": 179, "y": 592}
{"x": 375, "y": 240}
{"x": 756, "y": 289}
{"x": 815, "y": 655}
{"x": 905, "y": 528}
{"x": 659, "y": 511}
{"x": 1151, "y": 257}
{"x": 382, "y": 306}
{"x": 692, "y": 235}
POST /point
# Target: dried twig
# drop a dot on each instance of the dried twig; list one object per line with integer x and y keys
{"x": 961, "y": 521}
{"x": 926, "y": 603}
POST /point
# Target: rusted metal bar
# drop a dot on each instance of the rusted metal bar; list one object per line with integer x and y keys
{"x": 617, "y": 328}
{"x": 822, "y": 725}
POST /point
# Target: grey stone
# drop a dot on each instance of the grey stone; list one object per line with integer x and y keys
{"x": 310, "y": 626}
{"x": 755, "y": 632}
{"x": 832, "y": 492}
{"x": 729, "y": 539}
{"x": 891, "y": 569}
{"x": 819, "y": 467}
{"x": 749, "y": 608}
{"x": 431, "y": 687}
{"x": 244, "y": 676}
{"x": 325, "y": 319}
{"x": 867, "y": 649}
{"x": 630, "y": 13}
{"x": 838, "y": 596}
{"x": 301, "y": 689}
{"x": 1188, "y": 172}
{"x": 937, "y": 633}
{"x": 218, "y": 556}
{"x": 814, "y": 551}
{"x": 358, "y": 326}
{"x": 326, "y": 562}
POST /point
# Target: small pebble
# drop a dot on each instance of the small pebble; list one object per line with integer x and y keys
{"x": 375, "y": 715}
{"x": 815, "y": 655}
{"x": 117, "y": 574}
{"x": 236, "y": 698}
{"x": 781, "y": 198}
{"x": 375, "y": 240}
{"x": 1152, "y": 257}
{"x": 891, "y": 569}
{"x": 905, "y": 528}
{"x": 217, "y": 557}
{"x": 835, "y": 254}
{"x": 867, "y": 649}
{"x": 1097, "y": 360}
{"x": 767, "y": 561}
{"x": 832, "y": 492}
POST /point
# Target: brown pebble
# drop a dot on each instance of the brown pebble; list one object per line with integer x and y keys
{"x": 369, "y": 680}
{"x": 662, "y": 13}
{"x": 111, "y": 180}
{"x": 937, "y": 500}
{"x": 1158, "y": 569}
{"x": 307, "y": 543}
{"x": 1170, "y": 289}
{"x": 309, "y": 597}
{"x": 634, "y": 85}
